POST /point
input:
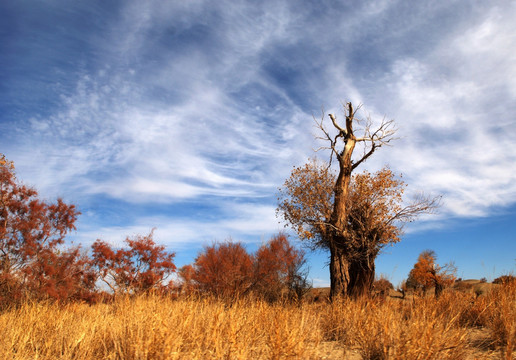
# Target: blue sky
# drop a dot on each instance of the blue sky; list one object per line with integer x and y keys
{"x": 187, "y": 116}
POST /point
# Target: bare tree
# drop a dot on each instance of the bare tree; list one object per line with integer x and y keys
{"x": 352, "y": 216}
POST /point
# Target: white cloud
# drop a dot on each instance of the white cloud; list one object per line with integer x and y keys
{"x": 159, "y": 122}
{"x": 454, "y": 110}
{"x": 241, "y": 222}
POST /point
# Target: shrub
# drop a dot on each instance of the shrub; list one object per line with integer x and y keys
{"x": 427, "y": 273}
{"x": 504, "y": 279}
{"x": 33, "y": 261}
{"x": 224, "y": 270}
{"x": 143, "y": 266}
{"x": 279, "y": 270}
{"x": 381, "y": 286}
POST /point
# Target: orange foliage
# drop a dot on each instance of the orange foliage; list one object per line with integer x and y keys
{"x": 374, "y": 203}
{"x": 227, "y": 270}
{"x": 277, "y": 268}
{"x": 32, "y": 260}
{"x": 374, "y": 207}
{"x": 142, "y": 267}
{"x": 186, "y": 274}
{"x": 224, "y": 270}
{"x": 426, "y": 273}
{"x": 306, "y": 200}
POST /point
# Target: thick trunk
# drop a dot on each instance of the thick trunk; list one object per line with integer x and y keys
{"x": 339, "y": 215}
{"x": 338, "y": 218}
{"x": 438, "y": 290}
{"x": 362, "y": 277}
{"x": 339, "y": 273}
{"x": 349, "y": 277}
{"x": 339, "y": 259}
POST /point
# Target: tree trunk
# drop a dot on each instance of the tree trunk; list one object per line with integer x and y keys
{"x": 339, "y": 273}
{"x": 348, "y": 277}
{"x": 438, "y": 289}
{"x": 339, "y": 258}
{"x": 362, "y": 277}
{"x": 438, "y": 286}
{"x": 339, "y": 215}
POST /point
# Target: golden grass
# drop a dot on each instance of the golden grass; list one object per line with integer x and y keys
{"x": 153, "y": 327}
{"x": 499, "y": 317}
{"x": 156, "y": 328}
{"x": 398, "y": 330}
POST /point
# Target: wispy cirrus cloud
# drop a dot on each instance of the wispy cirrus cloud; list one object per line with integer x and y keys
{"x": 211, "y": 104}
{"x": 453, "y": 102}
{"x": 242, "y": 222}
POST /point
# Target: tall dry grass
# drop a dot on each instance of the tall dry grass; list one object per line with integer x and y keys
{"x": 153, "y": 327}
{"x": 157, "y": 328}
{"x": 499, "y": 316}
{"x": 419, "y": 329}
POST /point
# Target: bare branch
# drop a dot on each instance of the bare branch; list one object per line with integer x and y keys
{"x": 325, "y": 223}
{"x": 326, "y": 137}
{"x": 349, "y": 120}
{"x": 369, "y": 153}
{"x": 382, "y": 135}
{"x": 421, "y": 205}
{"x": 359, "y": 106}
{"x": 337, "y": 126}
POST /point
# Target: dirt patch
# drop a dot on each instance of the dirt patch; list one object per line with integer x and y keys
{"x": 333, "y": 350}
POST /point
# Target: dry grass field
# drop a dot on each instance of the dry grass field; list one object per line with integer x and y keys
{"x": 458, "y": 325}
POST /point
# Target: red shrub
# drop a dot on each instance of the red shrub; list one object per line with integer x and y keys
{"x": 142, "y": 267}
{"x": 224, "y": 270}
{"x": 33, "y": 262}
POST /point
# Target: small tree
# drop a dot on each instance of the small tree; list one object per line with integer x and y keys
{"x": 227, "y": 270}
{"x": 63, "y": 275}
{"x": 504, "y": 279}
{"x": 33, "y": 261}
{"x": 141, "y": 267}
{"x": 427, "y": 273}
{"x": 224, "y": 270}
